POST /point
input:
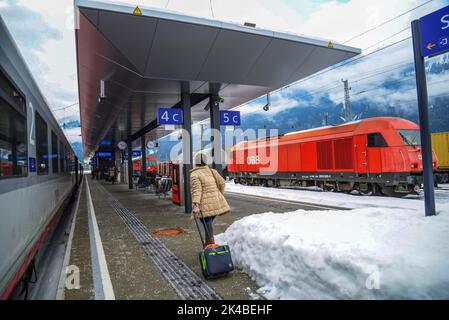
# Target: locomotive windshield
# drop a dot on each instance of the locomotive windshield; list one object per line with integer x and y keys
{"x": 410, "y": 137}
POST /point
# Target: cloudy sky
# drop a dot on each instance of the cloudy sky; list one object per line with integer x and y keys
{"x": 45, "y": 35}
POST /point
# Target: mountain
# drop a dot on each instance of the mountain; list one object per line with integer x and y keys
{"x": 309, "y": 111}
{"x": 69, "y": 124}
{"x": 78, "y": 148}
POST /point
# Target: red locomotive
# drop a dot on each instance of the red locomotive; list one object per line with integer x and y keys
{"x": 373, "y": 156}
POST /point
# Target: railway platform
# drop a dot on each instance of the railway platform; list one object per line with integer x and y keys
{"x": 115, "y": 253}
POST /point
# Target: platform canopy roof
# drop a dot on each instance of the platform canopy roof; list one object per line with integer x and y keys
{"x": 147, "y": 60}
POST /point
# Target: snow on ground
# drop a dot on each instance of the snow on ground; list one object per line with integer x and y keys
{"x": 390, "y": 252}
{"x": 339, "y": 199}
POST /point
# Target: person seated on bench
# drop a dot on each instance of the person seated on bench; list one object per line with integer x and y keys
{"x": 139, "y": 180}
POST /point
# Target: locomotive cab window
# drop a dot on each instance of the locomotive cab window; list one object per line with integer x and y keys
{"x": 410, "y": 137}
{"x": 41, "y": 145}
{"x": 13, "y": 131}
{"x": 376, "y": 140}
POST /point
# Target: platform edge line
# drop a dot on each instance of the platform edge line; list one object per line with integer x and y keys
{"x": 108, "y": 291}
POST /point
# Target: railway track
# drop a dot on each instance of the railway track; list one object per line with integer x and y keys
{"x": 293, "y": 202}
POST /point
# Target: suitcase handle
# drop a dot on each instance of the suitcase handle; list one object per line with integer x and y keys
{"x": 203, "y": 242}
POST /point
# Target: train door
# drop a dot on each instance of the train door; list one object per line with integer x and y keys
{"x": 361, "y": 154}
{"x": 374, "y": 160}
{"x": 375, "y": 144}
{"x": 176, "y": 186}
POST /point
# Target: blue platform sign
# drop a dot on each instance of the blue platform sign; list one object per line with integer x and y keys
{"x": 135, "y": 154}
{"x": 169, "y": 116}
{"x": 32, "y": 164}
{"x": 230, "y": 118}
{"x": 104, "y": 154}
{"x": 435, "y": 32}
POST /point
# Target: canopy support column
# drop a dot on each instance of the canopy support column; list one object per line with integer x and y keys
{"x": 76, "y": 171}
{"x": 144, "y": 155}
{"x": 130, "y": 163}
{"x": 215, "y": 131}
{"x": 187, "y": 157}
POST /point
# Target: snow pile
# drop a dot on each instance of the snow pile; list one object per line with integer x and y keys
{"x": 372, "y": 253}
{"x": 338, "y": 199}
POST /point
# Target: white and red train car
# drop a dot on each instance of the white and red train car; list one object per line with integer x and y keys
{"x": 39, "y": 171}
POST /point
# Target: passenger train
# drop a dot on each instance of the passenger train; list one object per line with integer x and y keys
{"x": 373, "y": 156}
{"x": 39, "y": 171}
{"x": 151, "y": 165}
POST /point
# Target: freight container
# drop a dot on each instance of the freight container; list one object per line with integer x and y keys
{"x": 440, "y": 144}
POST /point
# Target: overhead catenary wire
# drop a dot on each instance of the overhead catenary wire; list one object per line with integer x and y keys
{"x": 351, "y": 61}
{"x": 408, "y": 78}
{"x": 388, "y": 38}
{"x": 373, "y": 73}
{"x": 336, "y": 67}
{"x": 363, "y": 56}
{"x": 398, "y": 81}
{"x": 66, "y": 107}
{"x": 387, "y": 21}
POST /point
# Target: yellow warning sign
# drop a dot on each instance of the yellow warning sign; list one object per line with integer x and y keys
{"x": 137, "y": 11}
{"x": 330, "y": 45}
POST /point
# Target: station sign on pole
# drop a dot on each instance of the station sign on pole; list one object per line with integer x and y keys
{"x": 230, "y": 118}
{"x": 435, "y": 33}
{"x": 430, "y": 38}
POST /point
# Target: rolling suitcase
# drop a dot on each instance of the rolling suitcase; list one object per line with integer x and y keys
{"x": 214, "y": 262}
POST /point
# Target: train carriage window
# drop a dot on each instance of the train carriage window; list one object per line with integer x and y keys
{"x": 41, "y": 145}
{"x": 376, "y": 140}
{"x": 61, "y": 157}
{"x": 13, "y": 142}
{"x": 54, "y": 152}
{"x": 9, "y": 92}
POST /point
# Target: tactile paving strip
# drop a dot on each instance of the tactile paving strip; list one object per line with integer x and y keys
{"x": 183, "y": 280}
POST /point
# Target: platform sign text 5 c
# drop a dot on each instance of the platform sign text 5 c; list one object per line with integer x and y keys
{"x": 230, "y": 118}
{"x": 435, "y": 32}
{"x": 169, "y": 116}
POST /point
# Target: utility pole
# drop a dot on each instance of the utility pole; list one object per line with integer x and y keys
{"x": 326, "y": 119}
{"x": 347, "y": 114}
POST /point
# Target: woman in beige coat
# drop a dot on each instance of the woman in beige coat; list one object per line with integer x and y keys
{"x": 207, "y": 187}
